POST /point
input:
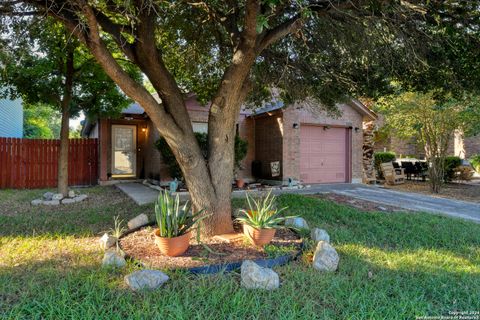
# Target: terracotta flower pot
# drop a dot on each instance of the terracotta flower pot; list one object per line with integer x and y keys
{"x": 240, "y": 183}
{"x": 172, "y": 247}
{"x": 259, "y": 237}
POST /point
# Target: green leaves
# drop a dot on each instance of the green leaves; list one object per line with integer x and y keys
{"x": 33, "y": 64}
{"x": 172, "y": 219}
{"x": 262, "y": 213}
{"x": 262, "y": 23}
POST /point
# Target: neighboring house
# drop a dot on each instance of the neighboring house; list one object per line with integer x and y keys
{"x": 463, "y": 147}
{"x": 11, "y": 118}
{"x": 283, "y": 142}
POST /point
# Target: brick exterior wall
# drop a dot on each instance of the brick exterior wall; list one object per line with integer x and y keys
{"x": 466, "y": 147}
{"x": 404, "y": 148}
{"x": 471, "y": 146}
{"x": 246, "y": 131}
{"x": 271, "y": 137}
{"x": 154, "y": 169}
{"x": 304, "y": 114}
{"x": 268, "y": 143}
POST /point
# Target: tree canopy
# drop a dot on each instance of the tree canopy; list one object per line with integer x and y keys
{"x": 34, "y": 58}
{"x": 228, "y": 52}
{"x": 337, "y": 49}
{"x": 41, "y": 122}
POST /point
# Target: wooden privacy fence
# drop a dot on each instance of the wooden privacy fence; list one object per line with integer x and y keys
{"x": 33, "y": 163}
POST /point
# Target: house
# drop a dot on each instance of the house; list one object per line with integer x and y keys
{"x": 11, "y": 118}
{"x": 460, "y": 146}
{"x": 285, "y": 142}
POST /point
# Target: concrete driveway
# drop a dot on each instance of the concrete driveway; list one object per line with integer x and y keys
{"x": 405, "y": 200}
{"x": 410, "y": 201}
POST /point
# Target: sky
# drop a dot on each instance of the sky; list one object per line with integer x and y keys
{"x": 75, "y": 122}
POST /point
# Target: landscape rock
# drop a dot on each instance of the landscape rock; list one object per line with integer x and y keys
{"x": 256, "y": 277}
{"x": 298, "y": 223}
{"x": 107, "y": 241}
{"x": 382, "y": 208}
{"x": 138, "y": 221}
{"x": 325, "y": 257}
{"x": 48, "y": 196}
{"x": 112, "y": 258}
{"x": 80, "y": 197}
{"x": 318, "y": 234}
{"x": 68, "y": 201}
{"x": 51, "y": 203}
{"x": 71, "y": 194}
{"x": 36, "y": 202}
{"x": 57, "y": 196}
{"x": 145, "y": 279}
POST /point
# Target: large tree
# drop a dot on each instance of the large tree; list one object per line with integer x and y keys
{"x": 45, "y": 65}
{"x": 431, "y": 119}
{"x": 228, "y": 51}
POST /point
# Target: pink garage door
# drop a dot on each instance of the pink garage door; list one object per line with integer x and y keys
{"x": 323, "y": 154}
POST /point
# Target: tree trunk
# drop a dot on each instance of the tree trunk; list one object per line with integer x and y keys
{"x": 209, "y": 182}
{"x": 62, "y": 178}
{"x": 63, "y": 153}
{"x": 206, "y": 192}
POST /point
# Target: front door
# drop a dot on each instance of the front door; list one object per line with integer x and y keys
{"x": 124, "y": 155}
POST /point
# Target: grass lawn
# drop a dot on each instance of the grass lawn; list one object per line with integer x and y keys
{"x": 392, "y": 266}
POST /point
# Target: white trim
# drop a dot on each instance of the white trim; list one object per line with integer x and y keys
{"x": 134, "y": 137}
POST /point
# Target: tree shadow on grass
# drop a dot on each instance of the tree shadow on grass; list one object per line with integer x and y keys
{"x": 365, "y": 287}
{"x": 90, "y": 217}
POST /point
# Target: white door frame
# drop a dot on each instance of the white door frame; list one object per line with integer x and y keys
{"x": 134, "y": 137}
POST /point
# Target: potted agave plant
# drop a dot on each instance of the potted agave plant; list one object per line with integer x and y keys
{"x": 262, "y": 219}
{"x": 174, "y": 224}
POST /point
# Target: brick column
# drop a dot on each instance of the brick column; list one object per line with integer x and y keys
{"x": 104, "y": 132}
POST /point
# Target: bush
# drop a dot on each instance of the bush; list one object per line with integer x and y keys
{"x": 475, "y": 161}
{"x": 241, "y": 147}
{"x": 382, "y": 157}
{"x": 464, "y": 173}
{"x": 450, "y": 165}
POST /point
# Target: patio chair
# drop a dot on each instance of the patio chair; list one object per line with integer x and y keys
{"x": 409, "y": 169}
{"x": 391, "y": 175}
{"x": 421, "y": 171}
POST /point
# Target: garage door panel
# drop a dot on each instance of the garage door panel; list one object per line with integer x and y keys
{"x": 315, "y": 163}
{"x": 336, "y": 147}
{"x": 322, "y": 154}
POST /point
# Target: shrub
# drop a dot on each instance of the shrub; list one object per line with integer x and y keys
{"x": 262, "y": 213}
{"x": 464, "y": 173}
{"x": 475, "y": 161}
{"x": 174, "y": 220}
{"x": 451, "y": 163}
{"x": 241, "y": 147}
{"x": 382, "y": 157}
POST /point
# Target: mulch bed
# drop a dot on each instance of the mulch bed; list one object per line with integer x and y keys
{"x": 457, "y": 191}
{"x": 363, "y": 205}
{"x": 140, "y": 246}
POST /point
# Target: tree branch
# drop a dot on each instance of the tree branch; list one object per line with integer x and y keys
{"x": 134, "y": 90}
{"x": 279, "y": 32}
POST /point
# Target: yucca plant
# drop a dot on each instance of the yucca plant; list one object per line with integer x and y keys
{"x": 262, "y": 212}
{"x": 174, "y": 220}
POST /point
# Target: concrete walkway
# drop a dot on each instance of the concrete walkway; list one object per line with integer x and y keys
{"x": 138, "y": 192}
{"x": 411, "y": 201}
